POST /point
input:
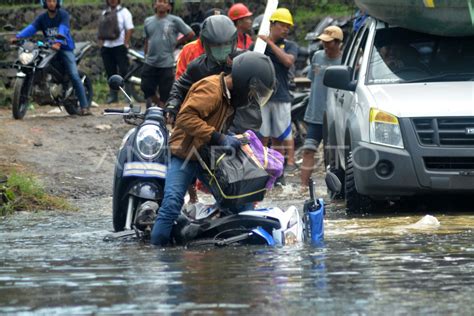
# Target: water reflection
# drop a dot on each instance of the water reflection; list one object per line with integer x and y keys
{"x": 367, "y": 265}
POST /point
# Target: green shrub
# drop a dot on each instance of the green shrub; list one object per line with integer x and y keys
{"x": 22, "y": 192}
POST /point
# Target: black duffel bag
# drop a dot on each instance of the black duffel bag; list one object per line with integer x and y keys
{"x": 234, "y": 179}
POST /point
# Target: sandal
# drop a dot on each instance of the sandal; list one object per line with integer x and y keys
{"x": 85, "y": 112}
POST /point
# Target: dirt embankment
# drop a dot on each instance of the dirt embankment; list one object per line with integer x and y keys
{"x": 74, "y": 156}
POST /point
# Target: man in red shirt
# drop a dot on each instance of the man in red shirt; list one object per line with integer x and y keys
{"x": 242, "y": 18}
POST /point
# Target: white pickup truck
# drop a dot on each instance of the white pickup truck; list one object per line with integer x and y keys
{"x": 400, "y": 115}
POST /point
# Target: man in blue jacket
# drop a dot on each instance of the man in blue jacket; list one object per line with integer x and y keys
{"x": 54, "y": 23}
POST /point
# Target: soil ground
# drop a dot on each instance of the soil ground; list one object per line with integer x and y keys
{"x": 73, "y": 156}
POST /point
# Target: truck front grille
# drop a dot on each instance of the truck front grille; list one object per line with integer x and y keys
{"x": 449, "y": 163}
{"x": 445, "y": 131}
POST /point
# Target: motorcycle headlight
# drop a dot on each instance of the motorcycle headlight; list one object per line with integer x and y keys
{"x": 385, "y": 129}
{"x": 149, "y": 141}
{"x": 26, "y": 57}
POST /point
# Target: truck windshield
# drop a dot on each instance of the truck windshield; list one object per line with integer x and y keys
{"x": 403, "y": 56}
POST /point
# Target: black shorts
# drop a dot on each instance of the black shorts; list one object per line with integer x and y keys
{"x": 153, "y": 77}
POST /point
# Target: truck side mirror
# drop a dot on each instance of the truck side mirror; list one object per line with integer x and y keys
{"x": 339, "y": 77}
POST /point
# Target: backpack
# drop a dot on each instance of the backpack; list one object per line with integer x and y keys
{"x": 108, "y": 25}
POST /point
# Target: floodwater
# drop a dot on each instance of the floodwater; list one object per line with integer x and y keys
{"x": 57, "y": 263}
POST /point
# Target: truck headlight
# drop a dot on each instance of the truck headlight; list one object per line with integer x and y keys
{"x": 149, "y": 141}
{"x": 385, "y": 129}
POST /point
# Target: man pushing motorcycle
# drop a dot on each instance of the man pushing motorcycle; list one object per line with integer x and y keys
{"x": 54, "y": 23}
{"x": 203, "y": 118}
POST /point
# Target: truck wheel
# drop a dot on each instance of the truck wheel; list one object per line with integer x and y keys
{"x": 356, "y": 203}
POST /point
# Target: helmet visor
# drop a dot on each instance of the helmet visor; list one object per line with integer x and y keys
{"x": 259, "y": 93}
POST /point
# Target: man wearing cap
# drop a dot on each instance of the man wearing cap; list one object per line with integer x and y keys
{"x": 276, "y": 115}
{"x": 331, "y": 38}
{"x": 242, "y": 18}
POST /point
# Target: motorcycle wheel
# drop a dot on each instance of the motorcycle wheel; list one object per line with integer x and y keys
{"x": 134, "y": 89}
{"x": 20, "y": 98}
{"x": 72, "y": 105}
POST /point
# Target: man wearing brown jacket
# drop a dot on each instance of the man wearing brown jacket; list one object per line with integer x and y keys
{"x": 203, "y": 119}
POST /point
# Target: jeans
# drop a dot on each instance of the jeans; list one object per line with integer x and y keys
{"x": 180, "y": 175}
{"x": 69, "y": 61}
{"x": 314, "y": 136}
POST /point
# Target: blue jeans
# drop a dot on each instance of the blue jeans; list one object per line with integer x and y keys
{"x": 181, "y": 173}
{"x": 69, "y": 61}
{"x": 179, "y": 176}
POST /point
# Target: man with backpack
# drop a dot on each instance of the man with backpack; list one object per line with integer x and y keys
{"x": 115, "y": 31}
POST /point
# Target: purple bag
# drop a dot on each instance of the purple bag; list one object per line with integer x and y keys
{"x": 271, "y": 160}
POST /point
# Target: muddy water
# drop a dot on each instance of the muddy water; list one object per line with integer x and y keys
{"x": 370, "y": 265}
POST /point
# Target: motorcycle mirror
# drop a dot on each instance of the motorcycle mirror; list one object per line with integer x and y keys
{"x": 332, "y": 182}
{"x": 116, "y": 82}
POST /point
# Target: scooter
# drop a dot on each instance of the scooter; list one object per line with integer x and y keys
{"x": 207, "y": 225}
{"x": 138, "y": 191}
{"x": 141, "y": 165}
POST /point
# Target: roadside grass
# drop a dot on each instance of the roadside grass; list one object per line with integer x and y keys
{"x": 21, "y": 191}
{"x": 101, "y": 90}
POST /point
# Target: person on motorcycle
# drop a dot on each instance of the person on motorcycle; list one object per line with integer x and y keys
{"x": 114, "y": 51}
{"x": 242, "y": 18}
{"x": 54, "y": 23}
{"x": 202, "y": 120}
{"x": 192, "y": 50}
{"x": 276, "y": 115}
{"x": 161, "y": 32}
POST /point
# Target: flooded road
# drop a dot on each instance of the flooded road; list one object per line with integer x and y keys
{"x": 58, "y": 263}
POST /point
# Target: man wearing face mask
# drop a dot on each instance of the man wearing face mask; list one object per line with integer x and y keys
{"x": 203, "y": 119}
{"x": 219, "y": 38}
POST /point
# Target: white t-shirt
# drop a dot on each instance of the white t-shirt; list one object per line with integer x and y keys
{"x": 125, "y": 21}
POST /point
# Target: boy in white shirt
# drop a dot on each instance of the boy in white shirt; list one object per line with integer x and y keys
{"x": 114, "y": 51}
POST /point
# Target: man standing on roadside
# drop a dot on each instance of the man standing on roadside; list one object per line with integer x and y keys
{"x": 114, "y": 50}
{"x": 331, "y": 38}
{"x": 242, "y": 18}
{"x": 161, "y": 32}
{"x": 276, "y": 115}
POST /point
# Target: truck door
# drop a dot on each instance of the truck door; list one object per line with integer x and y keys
{"x": 345, "y": 100}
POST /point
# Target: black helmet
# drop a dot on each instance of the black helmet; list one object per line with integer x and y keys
{"x": 253, "y": 78}
{"x": 59, "y": 3}
{"x": 218, "y": 37}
